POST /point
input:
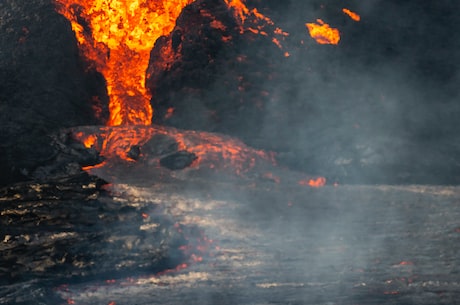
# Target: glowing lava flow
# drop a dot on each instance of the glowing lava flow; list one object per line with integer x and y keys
{"x": 316, "y": 183}
{"x": 352, "y": 14}
{"x": 242, "y": 13}
{"x": 213, "y": 151}
{"x": 323, "y": 33}
{"x": 116, "y": 37}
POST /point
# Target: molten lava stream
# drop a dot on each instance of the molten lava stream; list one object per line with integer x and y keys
{"x": 116, "y": 37}
{"x": 323, "y": 33}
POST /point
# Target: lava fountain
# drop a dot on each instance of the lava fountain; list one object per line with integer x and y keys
{"x": 116, "y": 37}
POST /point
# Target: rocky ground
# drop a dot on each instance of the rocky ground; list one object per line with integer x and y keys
{"x": 258, "y": 243}
{"x": 379, "y": 108}
{"x": 43, "y": 85}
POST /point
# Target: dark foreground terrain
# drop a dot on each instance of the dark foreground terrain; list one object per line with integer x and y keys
{"x": 247, "y": 242}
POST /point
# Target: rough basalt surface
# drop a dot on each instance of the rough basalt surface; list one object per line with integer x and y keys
{"x": 71, "y": 229}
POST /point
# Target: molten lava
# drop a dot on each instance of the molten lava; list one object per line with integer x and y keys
{"x": 316, "y": 183}
{"x": 213, "y": 151}
{"x": 323, "y": 33}
{"x": 351, "y": 14}
{"x": 116, "y": 37}
{"x": 242, "y": 14}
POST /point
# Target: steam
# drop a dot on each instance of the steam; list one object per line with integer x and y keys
{"x": 356, "y": 113}
{"x": 374, "y": 108}
{"x": 365, "y": 111}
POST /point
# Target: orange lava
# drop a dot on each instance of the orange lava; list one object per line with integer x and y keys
{"x": 89, "y": 141}
{"x": 116, "y": 38}
{"x": 259, "y": 21}
{"x": 212, "y": 150}
{"x": 241, "y": 11}
{"x": 352, "y": 14}
{"x": 323, "y": 33}
{"x": 316, "y": 183}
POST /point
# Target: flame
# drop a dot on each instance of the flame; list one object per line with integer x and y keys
{"x": 352, "y": 14}
{"x": 116, "y": 37}
{"x": 323, "y": 33}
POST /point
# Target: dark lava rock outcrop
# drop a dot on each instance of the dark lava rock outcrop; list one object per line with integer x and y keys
{"x": 43, "y": 85}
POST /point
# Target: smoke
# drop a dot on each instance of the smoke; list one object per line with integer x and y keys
{"x": 380, "y": 106}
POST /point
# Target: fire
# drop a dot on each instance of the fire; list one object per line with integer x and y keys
{"x": 323, "y": 33}
{"x": 116, "y": 37}
{"x": 352, "y": 14}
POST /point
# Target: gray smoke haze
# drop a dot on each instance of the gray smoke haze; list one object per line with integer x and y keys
{"x": 382, "y": 106}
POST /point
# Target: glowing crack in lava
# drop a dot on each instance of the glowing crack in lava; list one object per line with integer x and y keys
{"x": 323, "y": 33}
{"x": 116, "y": 37}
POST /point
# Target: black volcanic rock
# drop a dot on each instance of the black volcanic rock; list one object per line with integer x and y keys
{"x": 178, "y": 160}
{"x": 214, "y": 76}
{"x": 71, "y": 229}
{"x": 43, "y": 85}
